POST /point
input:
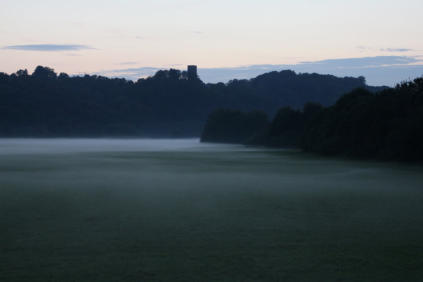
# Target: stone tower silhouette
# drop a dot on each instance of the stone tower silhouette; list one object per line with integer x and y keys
{"x": 192, "y": 72}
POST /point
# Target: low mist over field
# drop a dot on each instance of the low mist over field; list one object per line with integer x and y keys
{"x": 112, "y": 209}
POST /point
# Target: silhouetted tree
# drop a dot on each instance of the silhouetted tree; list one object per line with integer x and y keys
{"x": 386, "y": 125}
{"x": 44, "y": 73}
{"x": 166, "y": 104}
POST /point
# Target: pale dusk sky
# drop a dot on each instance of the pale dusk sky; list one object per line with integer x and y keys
{"x": 109, "y": 37}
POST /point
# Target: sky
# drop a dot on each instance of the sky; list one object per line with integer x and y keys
{"x": 380, "y": 39}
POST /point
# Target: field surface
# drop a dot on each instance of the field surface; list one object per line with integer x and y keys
{"x": 178, "y": 210}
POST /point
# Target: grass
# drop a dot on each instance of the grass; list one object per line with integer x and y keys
{"x": 208, "y": 216}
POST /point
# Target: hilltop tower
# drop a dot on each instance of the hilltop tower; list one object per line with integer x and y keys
{"x": 192, "y": 72}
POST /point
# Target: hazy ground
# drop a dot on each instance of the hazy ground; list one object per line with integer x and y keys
{"x": 148, "y": 210}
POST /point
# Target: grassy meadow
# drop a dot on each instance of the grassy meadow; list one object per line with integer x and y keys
{"x": 178, "y": 210}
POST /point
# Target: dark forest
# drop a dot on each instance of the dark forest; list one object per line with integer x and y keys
{"x": 387, "y": 125}
{"x": 168, "y": 104}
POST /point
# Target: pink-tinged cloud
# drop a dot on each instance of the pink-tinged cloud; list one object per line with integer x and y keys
{"x": 49, "y": 47}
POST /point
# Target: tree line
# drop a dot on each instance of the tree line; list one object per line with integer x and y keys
{"x": 169, "y": 103}
{"x": 384, "y": 125}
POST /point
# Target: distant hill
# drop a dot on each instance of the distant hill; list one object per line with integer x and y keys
{"x": 171, "y": 103}
{"x": 290, "y": 89}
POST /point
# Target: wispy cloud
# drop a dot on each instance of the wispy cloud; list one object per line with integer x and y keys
{"x": 364, "y": 48}
{"x": 364, "y": 62}
{"x": 396, "y": 50}
{"x": 128, "y": 63}
{"x": 392, "y": 50}
{"x": 130, "y": 73}
{"x": 48, "y": 47}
